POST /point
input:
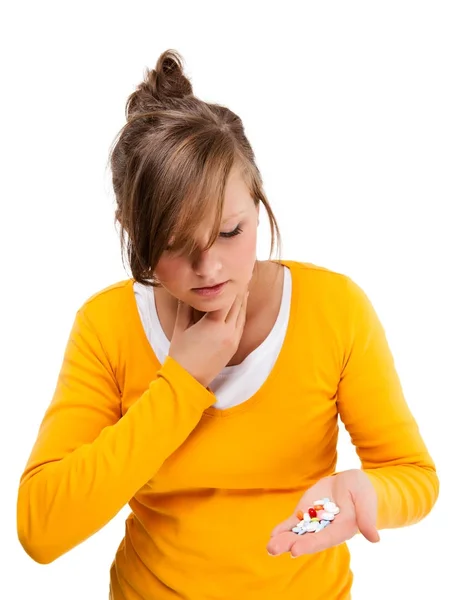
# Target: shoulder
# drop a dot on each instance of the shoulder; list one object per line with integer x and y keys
{"x": 109, "y": 296}
{"x": 327, "y": 287}
{"x": 112, "y": 306}
{"x": 334, "y": 302}
{"x": 318, "y": 275}
{"x": 110, "y": 293}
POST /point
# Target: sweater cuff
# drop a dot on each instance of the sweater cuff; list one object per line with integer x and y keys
{"x": 177, "y": 377}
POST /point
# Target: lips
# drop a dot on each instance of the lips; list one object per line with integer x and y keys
{"x": 209, "y": 287}
{"x": 210, "y": 292}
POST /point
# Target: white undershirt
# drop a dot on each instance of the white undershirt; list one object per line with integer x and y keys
{"x": 234, "y": 384}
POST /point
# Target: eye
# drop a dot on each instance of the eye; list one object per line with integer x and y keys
{"x": 225, "y": 234}
{"x": 233, "y": 233}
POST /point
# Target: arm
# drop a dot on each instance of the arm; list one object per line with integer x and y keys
{"x": 87, "y": 461}
{"x": 374, "y": 411}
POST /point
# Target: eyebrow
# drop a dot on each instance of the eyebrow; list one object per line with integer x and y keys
{"x": 234, "y": 215}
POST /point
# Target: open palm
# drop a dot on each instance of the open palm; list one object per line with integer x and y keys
{"x": 353, "y": 492}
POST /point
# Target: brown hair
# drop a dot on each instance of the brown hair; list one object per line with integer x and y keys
{"x": 170, "y": 164}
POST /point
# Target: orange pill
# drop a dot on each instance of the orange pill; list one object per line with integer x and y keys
{"x": 300, "y": 515}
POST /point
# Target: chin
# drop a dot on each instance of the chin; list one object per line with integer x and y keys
{"x": 210, "y": 304}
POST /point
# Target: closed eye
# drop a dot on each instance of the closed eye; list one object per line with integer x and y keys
{"x": 229, "y": 234}
{"x": 224, "y": 234}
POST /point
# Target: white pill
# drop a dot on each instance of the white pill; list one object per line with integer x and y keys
{"x": 310, "y": 527}
{"x": 331, "y": 507}
{"x": 327, "y": 516}
{"x": 306, "y": 519}
{"x": 319, "y": 502}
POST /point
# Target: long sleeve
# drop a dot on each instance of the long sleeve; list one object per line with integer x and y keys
{"x": 374, "y": 411}
{"x": 88, "y": 461}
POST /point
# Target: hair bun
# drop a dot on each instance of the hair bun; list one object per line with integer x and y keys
{"x": 165, "y": 82}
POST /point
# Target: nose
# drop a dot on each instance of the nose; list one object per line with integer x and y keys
{"x": 207, "y": 264}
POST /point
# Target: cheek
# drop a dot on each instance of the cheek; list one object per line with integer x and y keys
{"x": 248, "y": 243}
{"x": 168, "y": 269}
{"x": 242, "y": 256}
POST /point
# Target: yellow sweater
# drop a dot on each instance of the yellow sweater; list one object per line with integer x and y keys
{"x": 206, "y": 486}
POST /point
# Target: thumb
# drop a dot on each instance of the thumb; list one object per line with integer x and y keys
{"x": 183, "y": 317}
{"x": 366, "y": 509}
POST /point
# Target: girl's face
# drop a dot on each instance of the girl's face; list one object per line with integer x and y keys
{"x": 230, "y": 261}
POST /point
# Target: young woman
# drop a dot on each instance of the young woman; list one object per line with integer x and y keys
{"x": 205, "y": 390}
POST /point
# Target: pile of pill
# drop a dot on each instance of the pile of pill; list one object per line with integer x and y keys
{"x": 319, "y": 516}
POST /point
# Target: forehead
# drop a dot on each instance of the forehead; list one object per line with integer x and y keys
{"x": 236, "y": 188}
{"x": 237, "y": 197}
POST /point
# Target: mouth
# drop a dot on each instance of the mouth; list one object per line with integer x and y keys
{"x": 211, "y": 290}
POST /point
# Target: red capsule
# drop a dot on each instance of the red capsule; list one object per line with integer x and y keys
{"x": 312, "y": 512}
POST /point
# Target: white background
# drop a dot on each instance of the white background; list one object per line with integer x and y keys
{"x": 351, "y": 111}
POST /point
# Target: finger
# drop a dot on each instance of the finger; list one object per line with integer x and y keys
{"x": 285, "y": 526}
{"x": 234, "y": 309}
{"x": 241, "y": 317}
{"x": 334, "y": 534}
{"x": 366, "y": 509}
{"x": 183, "y": 316}
{"x": 281, "y": 543}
